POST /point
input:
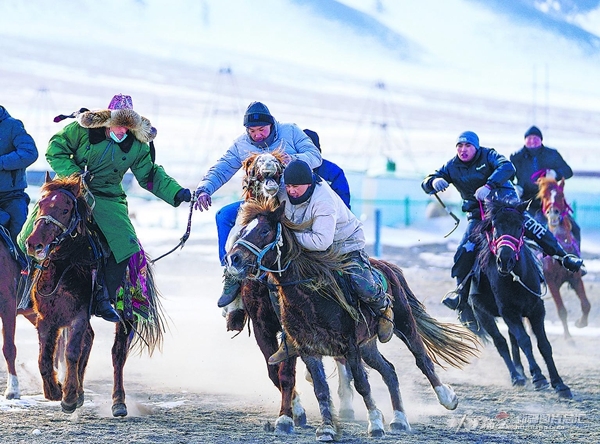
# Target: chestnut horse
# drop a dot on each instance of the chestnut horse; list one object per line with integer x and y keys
{"x": 261, "y": 181}
{"x": 67, "y": 257}
{"x": 9, "y": 283}
{"x": 557, "y": 212}
{"x": 319, "y": 320}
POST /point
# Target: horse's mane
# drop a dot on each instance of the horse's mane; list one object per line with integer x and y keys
{"x": 321, "y": 266}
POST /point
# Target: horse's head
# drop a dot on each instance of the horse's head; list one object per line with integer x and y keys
{"x": 62, "y": 213}
{"x": 259, "y": 246}
{"x": 554, "y": 205}
{"x": 263, "y": 174}
{"x": 505, "y": 232}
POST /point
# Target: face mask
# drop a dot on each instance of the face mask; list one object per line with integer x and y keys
{"x": 114, "y": 137}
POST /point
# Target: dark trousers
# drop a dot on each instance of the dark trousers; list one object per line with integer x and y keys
{"x": 113, "y": 275}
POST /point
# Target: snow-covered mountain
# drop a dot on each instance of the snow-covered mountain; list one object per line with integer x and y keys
{"x": 392, "y": 79}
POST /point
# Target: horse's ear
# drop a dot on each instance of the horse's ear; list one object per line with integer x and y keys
{"x": 47, "y": 178}
{"x": 561, "y": 183}
{"x": 279, "y": 211}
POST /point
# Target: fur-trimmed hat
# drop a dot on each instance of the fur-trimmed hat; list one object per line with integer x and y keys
{"x": 119, "y": 113}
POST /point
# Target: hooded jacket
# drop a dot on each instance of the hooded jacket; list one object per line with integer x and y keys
{"x": 17, "y": 152}
{"x": 487, "y": 167}
{"x": 333, "y": 224}
{"x": 83, "y": 145}
{"x": 288, "y": 137}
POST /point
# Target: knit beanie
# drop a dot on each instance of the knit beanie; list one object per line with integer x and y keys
{"x": 297, "y": 173}
{"x": 258, "y": 114}
{"x": 468, "y": 137}
{"x": 534, "y": 131}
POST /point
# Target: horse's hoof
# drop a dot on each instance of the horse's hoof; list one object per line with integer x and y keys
{"x": 326, "y": 433}
{"x": 563, "y": 391}
{"x": 68, "y": 408}
{"x": 518, "y": 381}
{"x": 347, "y": 414}
{"x": 300, "y": 420}
{"x": 580, "y": 323}
{"x": 446, "y": 396}
{"x": 284, "y": 425}
{"x": 400, "y": 423}
{"x": 119, "y": 410}
{"x": 541, "y": 384}
{"x": 80, "y": 400}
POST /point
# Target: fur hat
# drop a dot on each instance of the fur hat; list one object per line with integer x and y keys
{"x": 533, "y": 131}
{"x": 258, "y": 114}
{"x": 119, "y": 113}
{"x": 468, "y": 137}
{"x": 297, "y": 173}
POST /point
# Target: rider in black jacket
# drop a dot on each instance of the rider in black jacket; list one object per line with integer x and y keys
{"x": 479, "y": 173}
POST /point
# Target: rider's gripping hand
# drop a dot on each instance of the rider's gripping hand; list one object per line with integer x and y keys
{"x": 439, "y": 184}
{"x": 183, "y": 195}
{"x": 203, "y": 200}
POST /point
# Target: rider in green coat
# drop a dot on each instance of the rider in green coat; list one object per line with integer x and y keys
{"x": 105, "y": 144}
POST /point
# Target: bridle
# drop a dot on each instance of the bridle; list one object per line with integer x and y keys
{"x": 260, "y": 253}
{"x": 506, "y": 240}
{"x": 66, "y": 231}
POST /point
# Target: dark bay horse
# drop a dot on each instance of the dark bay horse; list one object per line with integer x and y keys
{"x": 320, "y": 322}
{"x": 9, "y": 282}
{"x": 557, "y": 212}
{"x": 508, "y": 286}
{"x": 67, "y": 261}
{"x": 261, "y": 181}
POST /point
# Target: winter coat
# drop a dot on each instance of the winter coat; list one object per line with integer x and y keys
{"x": 17, "y": 152}
{"x": 487, "y": 167}
{"x": 333, "y": 224}
{"x": 78, "y": 147}
{"x": 287, "y": 137}
{"x": 528, "y": 161}
{"x": 336, "y": 179}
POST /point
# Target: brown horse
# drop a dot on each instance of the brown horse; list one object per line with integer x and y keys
{"x": 9, "y": 282}
{"x": 261, "y": 181}
{"x": 67, "y": 260}
{"x": 557, "y": 212}
{"x": 320, "y": 321}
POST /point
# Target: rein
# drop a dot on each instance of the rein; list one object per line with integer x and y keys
{"x": 276, "y": 244}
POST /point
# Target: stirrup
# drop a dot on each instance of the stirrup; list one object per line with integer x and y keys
{"x": 452, "y": 300}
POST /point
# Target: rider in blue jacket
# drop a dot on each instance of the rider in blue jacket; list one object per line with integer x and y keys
{"x": 479, "y": 173}
{"x": 17, "y": 152}
{"x": 331, "y": 173}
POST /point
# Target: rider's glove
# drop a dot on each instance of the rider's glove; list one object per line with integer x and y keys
{"x": 183, "y": 195}
{"x": 482, "y": 192}
{"x": 439, "y": 184}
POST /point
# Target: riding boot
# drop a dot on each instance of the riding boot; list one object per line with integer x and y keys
{"x": 231, "y": 289}
{"x": 103, "y": 307}
{"x": 286, "y": 349}
{"x": 103, "y": 299}
{"x": 385, "y": 327}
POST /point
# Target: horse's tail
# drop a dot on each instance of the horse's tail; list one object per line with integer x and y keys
{"x": 448, "y": 342}
{"x": 149, "y": 332}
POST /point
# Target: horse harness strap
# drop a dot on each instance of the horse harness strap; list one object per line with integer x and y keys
{"x": 277, "y": 244}
{"x": 75, "y": 219}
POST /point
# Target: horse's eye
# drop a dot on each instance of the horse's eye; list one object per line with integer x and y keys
{"x": 65, "y": 211}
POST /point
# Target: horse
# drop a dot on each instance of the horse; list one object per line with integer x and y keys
{"x": 319, "y": 321}
{"x": 557, "y": 212}
{"x": 66, "y": 255}
{"x": 9, "y": 284}
{"x": 261, "y": 181}
{"x": 507, "y": 285}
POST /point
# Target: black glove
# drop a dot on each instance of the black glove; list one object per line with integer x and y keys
{"x": 183, "y": 195}
{"x": 572, "y": 263}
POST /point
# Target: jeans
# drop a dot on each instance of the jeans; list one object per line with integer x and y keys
{"x": 225, "y": 218}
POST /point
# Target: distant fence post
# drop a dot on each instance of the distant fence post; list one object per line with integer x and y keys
{"x": 377, "y": 245}
{"x": 406, "y": 211}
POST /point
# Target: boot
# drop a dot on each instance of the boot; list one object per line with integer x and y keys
{"x": 103, "y": 308}
{"x": 284, "y": 352}
{"x": 231, "y": 290}
{"x": 452, "y": 300}
{"x": 385, "y": 328}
